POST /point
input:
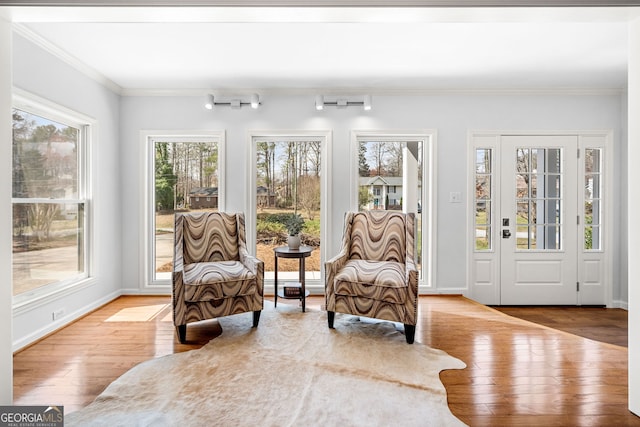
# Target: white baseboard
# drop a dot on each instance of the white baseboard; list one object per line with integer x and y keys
{"x": 620, "y": 304}
{"x": 62, "y": 322}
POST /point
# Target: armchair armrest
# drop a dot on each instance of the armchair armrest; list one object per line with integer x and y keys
{"x": 252, "y": 263}
{"x": 255, "y": 265}
{"x": 411, "y": 269}
{"x": 412, "y": 284}
{"x": 178, "y": 244}
{"x": 332, "y": 266}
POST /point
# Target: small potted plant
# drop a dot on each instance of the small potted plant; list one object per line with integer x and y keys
{"x": 294, "y": 225}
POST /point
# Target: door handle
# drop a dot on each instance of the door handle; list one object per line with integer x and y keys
{"x": 506, "y": 234}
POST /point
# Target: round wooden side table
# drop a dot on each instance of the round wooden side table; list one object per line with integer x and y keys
{"x": 286, "y": 252}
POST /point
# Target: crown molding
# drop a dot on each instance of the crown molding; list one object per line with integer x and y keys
{"x": 416, "y": 91}
{"x": 327, "y": 3}
{"x": 66, "y": 57}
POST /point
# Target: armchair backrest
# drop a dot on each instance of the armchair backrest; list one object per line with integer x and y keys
{"x": 210, "y": 236}
{"x": 380, "y": 235}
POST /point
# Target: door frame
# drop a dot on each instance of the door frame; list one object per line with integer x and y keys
{"x": 483, "y": 267}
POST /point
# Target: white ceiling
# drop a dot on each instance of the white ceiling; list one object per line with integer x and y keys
{"x": 379, "y": 49}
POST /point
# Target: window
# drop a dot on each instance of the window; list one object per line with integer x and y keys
{"x": 288, "y": 181}
{"x": 538, "y": 198}
{"x": 402, "y": 161}
{"x": 185, "y": 178}
{"x": 267, "y": 187}
{"x": 483, "y": 200}
{"x": 390, "y": 161}
{"x": 592, "y": 213}
{"x": 49, "y": 202}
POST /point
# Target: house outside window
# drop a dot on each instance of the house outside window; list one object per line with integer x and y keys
{"x": 50, "y": 212}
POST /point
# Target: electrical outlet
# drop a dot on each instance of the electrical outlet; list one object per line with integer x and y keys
{"x": 455, "y": 197}
{"x": 58, "y": 314}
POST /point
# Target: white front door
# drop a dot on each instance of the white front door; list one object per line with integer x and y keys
{"x": 553, "y": 193}
{"x": 538, "y": 212}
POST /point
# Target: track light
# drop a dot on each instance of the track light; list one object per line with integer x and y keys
{"x": 343, "y": 103}
{"x": 367, "y": 103}
{"x": 235, "y": 103}
{"x": 209, "y": 102}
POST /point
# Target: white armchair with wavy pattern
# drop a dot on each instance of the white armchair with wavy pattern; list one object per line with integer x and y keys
{"x": 375, "y": 274}
{"x": 213, "y": 274}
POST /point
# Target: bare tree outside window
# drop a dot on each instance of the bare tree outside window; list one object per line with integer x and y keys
{"x": 288, "y": 182}
{"x": 186, "y": 179}
{"x": 48, "y": 210}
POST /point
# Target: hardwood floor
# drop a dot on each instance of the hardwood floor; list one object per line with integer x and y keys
{"x": 601, "y": 324}
{"x": 518, "y": 373}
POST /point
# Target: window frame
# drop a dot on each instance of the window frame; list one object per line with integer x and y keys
{"x": 148, "y": 281}
{"x": 325, "y": 137}
{"x": 87, "y": 126}
{"x": 599, "y": 225}
{"x": 428, "y": 196}
{"x": 489, "y": 222}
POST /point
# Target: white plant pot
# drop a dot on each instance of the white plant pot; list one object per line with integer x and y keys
{"x": 294, "y": 241}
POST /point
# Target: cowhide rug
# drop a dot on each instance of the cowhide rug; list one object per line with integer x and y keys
{"x": 290, "y": 371}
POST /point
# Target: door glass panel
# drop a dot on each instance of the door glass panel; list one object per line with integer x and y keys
{"x": 553, "y": 160}
{"x": 538, "y": 198}
{"x": 482, "y": 225}
{"x": 592, "y": 204}
{"x": 483, "y": 199}
{"x": 553, "y": 185}
{"x": 523, "y": 237}
{"x": 483, "y": 187}
{"x": 522, "y": 216}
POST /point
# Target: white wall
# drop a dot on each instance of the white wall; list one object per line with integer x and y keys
{"x": 42, "y": 74}
{"x": 451, "y": 115}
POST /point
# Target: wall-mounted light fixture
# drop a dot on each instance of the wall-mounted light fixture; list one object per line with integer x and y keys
{"x": 235, "y": 103}
{"x": 343, "y": 102}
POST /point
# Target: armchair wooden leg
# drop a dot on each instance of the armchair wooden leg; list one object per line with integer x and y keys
{"x": 256, "y": 318}
{"x": 330, "y": 316}
{"x": 410, "y": 333}
{"x": 182, "y": 333}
